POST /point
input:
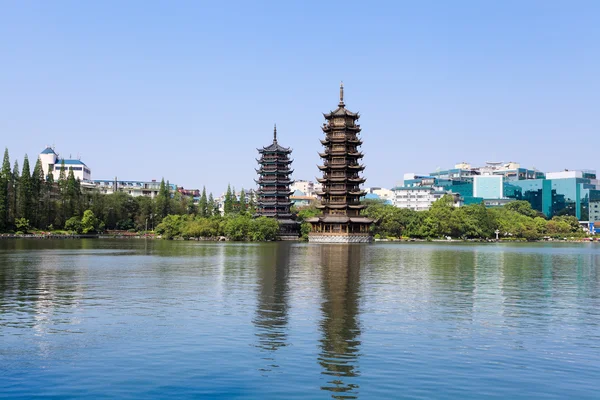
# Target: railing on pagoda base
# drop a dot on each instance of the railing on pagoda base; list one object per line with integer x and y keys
{"x": 339, "y": 237}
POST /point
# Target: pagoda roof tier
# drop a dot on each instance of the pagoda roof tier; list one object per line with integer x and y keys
{"x": 274, "y": 214}
{"x": 274, "y": 203}
{"x": 339, "y": 179}
{"x": 273, "y": 181}
{"x": 354, "y": 154}
{"x": 328, "y": 128}
{"x": 357, "y": 206}
{"x": 341, "y": 111}
{"x": 333, "y": 206}
{"x": 335, "y": 192}
{"x": 326, "y": 141}
{"x": 275, "y": 148}
{"x": 275, "y": 171}
{"x": 340, "y": 166}
{"x": 357, "y": 167}
{"x": 275, "y": 161}
{"x": 276, "y": 192}
{"x": 357, "y": 193}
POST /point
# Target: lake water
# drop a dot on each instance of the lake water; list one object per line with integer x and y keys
{"x": 158, "y": 319}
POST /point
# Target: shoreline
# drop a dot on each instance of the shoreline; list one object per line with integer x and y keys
{"x": 9, "y": 236}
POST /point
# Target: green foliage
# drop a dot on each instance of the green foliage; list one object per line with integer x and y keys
{"x": 22, "y": 225}
{"x": 228, "y": 203}
{"x": 89, "y": 222}
{"x": 242, "y": 203}
{"x": 73, "y": 224}
{"x": 162, "y": 200}
{"x": 5, "y": 188}
{"x": 522, "y": 207}
{"x": 171, "y": 226}
{"x": 263, "y": 229}
{"x": 303, "y": 215}
{"x": 203, "y": 204}
{"x": 237, "y": 227}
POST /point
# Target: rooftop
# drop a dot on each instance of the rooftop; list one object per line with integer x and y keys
{"x": 48, "y": 150}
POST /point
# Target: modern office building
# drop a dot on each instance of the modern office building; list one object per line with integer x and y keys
{"x": 488, "y": 186}
{"x": 510, "y": 171}
{"x": 569, "y": 192}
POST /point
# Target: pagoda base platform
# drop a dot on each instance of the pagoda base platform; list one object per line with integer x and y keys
{"x": 315, "y": 237}
{"x": 287, "y": 237}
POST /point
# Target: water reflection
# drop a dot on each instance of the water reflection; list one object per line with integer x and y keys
{"x": 271, "y": 317}
{"x": 340, "y": 327}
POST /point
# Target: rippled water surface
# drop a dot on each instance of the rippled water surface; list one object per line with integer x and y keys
{"x": 157, "y": 319}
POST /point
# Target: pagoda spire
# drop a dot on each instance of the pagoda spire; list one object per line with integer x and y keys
{"x": 341, "y": 94}
{"x": 275, "y": 134}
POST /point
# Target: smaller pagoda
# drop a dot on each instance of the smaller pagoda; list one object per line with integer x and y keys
{"x": 273, "y": 194}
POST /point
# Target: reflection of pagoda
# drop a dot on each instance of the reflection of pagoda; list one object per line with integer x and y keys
{"x": 274, "y": 187}
{"x": 340, "y": 325}
{"x": 341, "y": 221}
{"x": 271, "y": 318}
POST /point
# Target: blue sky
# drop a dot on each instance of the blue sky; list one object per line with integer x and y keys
{"x": 188, "y": 90}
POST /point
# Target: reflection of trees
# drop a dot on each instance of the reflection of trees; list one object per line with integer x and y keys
{"x": 37, "y": 289}
{"x": 340, "y": 268}
{"x": 271, "y": 317}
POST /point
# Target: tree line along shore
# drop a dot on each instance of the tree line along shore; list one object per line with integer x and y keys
{"x": 33, "y": 204}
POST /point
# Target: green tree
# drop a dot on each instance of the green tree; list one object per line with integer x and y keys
{"x": 228, "y": 203}
{"x": 203, "y": 204}
{"x": 263, "y": 229}
{"x": 303, "y": 215}
{"x": 73, "y": 224}
{"x": 438, "y": 220}
{"x": 49, "y": 200}
{"x": 25, "y": 191}
{"x": 190, "y": 206}
{"x": 237, "y": 227}
{"x": 522, "y": 207}
{"x": 171, "y": 226}
{"x": 242, "y": 203}
{"x": 89, "y": 222}
{"x": 22, "y": 225}
{"x": 5, "y": 189}
{"x": 37, "y": 189}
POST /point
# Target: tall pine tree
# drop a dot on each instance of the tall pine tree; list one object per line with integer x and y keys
{"x": 212, "y": 207}
{"x": 228, "y": 203}
{"x": 242, "y": 201}
{"x": 37, "y": 186}
{"x": 5, "y": 187}
{"x": 13, "y": 209}
{"x": 203, "y": 204}
{"x": 162, "y": 201}
{"x": 25, "y": 192}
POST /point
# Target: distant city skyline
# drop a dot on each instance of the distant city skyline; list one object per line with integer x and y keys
{"x": 188, "y": 91}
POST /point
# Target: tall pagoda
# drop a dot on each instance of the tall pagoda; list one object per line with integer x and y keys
{"x": 274, "y": 188}
{"x": 341, "y": 220}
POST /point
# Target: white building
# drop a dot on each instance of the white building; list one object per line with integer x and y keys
{"x": 132, "y": 188}
{"x": 382, "y": 193}
{"x": 309, "y": 188}
{"x": 51, "y": 162}
{"x": 417, "y": 198}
